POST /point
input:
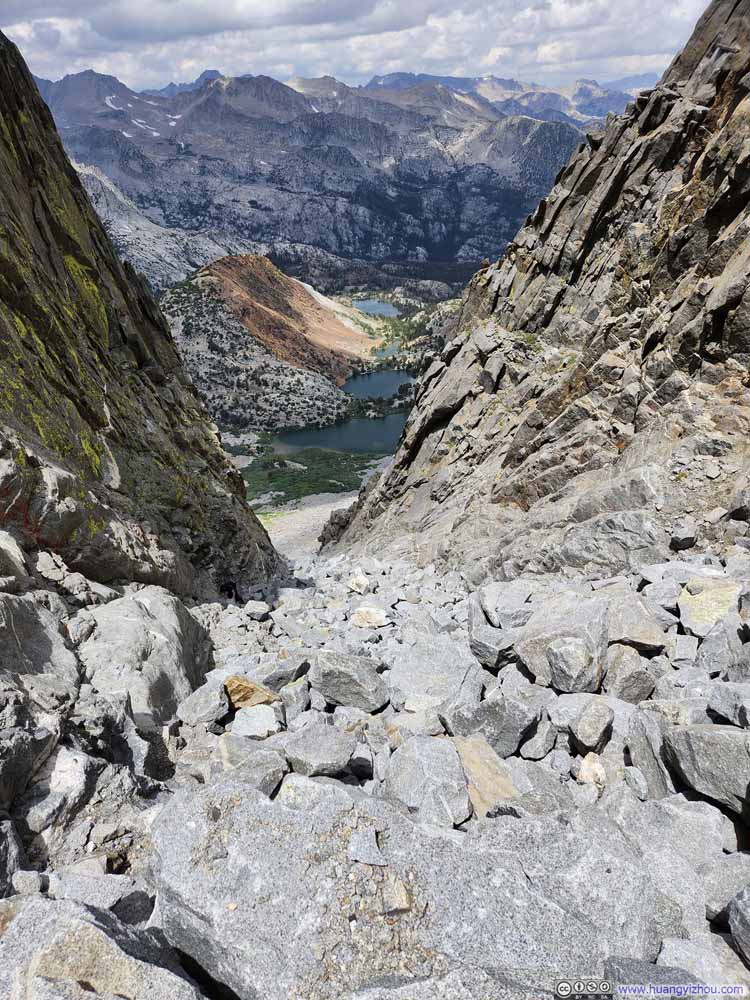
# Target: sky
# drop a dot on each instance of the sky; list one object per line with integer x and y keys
{"x": 148, "y": 43}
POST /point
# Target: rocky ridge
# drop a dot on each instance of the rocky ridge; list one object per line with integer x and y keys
{"x": 265, "y": 350}
{"x": 107, "y": 456}
{"x": 249, "y": 160}
{"x": 593, "y": 393}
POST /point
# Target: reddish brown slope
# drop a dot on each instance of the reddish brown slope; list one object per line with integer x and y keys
{"x": 286, "y": 318}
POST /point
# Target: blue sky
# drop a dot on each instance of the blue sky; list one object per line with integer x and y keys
{"x": 150, "y": 42}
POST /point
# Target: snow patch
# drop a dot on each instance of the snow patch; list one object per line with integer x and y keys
{"x": 110, "y": 102}
{"x": 128, "y": 135}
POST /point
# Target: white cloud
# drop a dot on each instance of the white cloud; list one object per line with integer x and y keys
{"x": 149, "y": 42}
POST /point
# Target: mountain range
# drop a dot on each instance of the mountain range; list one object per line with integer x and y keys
{"x": 404, "y": 169}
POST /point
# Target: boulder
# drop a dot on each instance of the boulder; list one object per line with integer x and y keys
{"x": 220, "y": 850}
{"x": 12, "y": 856}
{"x": 504, "y": 720}
{"x": 631, "y": 623}
{"x": 425, "y": 774}
{"x": 432, "y": 672}
{"x": 704, "y": 601}
{"x": 628, "y": 676}
{"x": 62, "y": 944}
{"x": 731, "y": 701}
{"x": 370, "y": 616}
{"x": 13, "y": 568}
{"x": 348, "y": 680}
{"x": 724, "y": 878}
{"x": 684, "y": 534}
{"x": 628, "y": 971}
{"x": 739, "y": 922}
{"x": 245, "y": 693}
{"x": 253, "y": 765}
{"x": 206, "y": 705}
{"x": 573, "y": 666}
{"x": 256, "y": 723}
{"x": 592, "y": 728}
{"x": 505, "y": 605}
{"x": 31, "y": 641}
{"x": 489, "y": 778}
{"x": 149, "y": 646}
{"x": 645, "y": 742}
{"x": 318, "y": 749}
{"x": 567, "y": 637}
{"x": 712, "y": 760}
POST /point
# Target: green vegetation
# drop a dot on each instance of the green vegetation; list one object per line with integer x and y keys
{"x": 322, "y": 471}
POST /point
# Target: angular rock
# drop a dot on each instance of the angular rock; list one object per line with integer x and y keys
{"x": 369, "y": 616}
{"x": 66, "y": 944}
{"x": 348, "y": 680}
{"x": 712, "y": 760}
{"x": 149, "y": 646}
{"x": 504, "y": 720}
{"x": 592, "y": 728}
{"x": 537, "y": 746}
{"x": 31, "y": 641}
{"x": 253, "y": 765}
{"x": 319, "y": 749}
{"x": 684, "y": 534}
{"x": 207, "y": 704}
{"x": 257, "y": 611}
{"x": 220, "y": 849}
{"x": 696, "y": 956}
{"x": 631, "y": 623}
{"x": 425, "y": 774}
{"x": 296, "y": 698}
{"x": 724, "y": 878}
{"x": 492, "y": 646}
{"x": 244, "y": 693}
{"x": 705, "y": 601}
{"x": 576, "y": 630}
{"x": 256, "y": 723}
{"x": 506, "y": 604}
{"x": 13, "y": 564}
{"x": 731, "y": 701}
{"x": 12, "y": 857}
{"x": 739, "y": 922}
{"x": 627, "y": 971}
{"x": 431, "y": 673}
{"x": 488, "y": 776}
{"x": 628, "y": 676}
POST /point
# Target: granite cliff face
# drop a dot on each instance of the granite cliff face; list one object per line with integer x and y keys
{"x": 107, "y": 455}
{"x": 595, "y": 387}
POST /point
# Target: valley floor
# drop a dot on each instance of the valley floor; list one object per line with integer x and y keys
{"x": 294, "y": 527}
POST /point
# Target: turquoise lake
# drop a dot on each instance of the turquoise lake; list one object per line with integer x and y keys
{"x": 376, "y": 307}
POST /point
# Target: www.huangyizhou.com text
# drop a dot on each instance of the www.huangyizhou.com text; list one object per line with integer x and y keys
{"x": 679, "y": 990}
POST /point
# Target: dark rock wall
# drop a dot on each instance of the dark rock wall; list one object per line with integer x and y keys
{"x": 107, "y": 455}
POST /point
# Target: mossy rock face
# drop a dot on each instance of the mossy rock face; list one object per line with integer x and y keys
{"x": 107, "y": 454}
